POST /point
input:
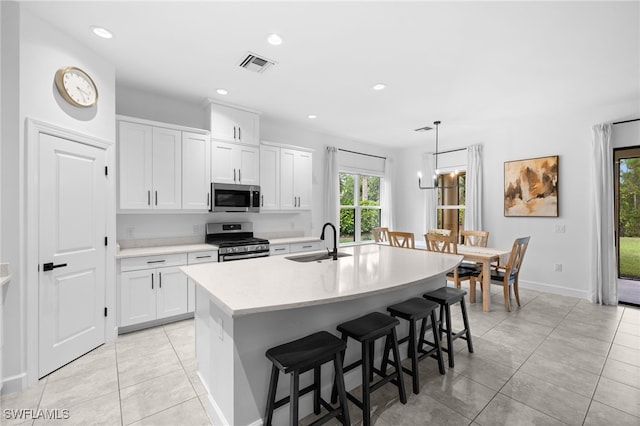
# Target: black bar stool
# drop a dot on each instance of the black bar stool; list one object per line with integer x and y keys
{"x": 366, "y": 330}
{"x": 447, "y": 296}
{"x": 302, "y": 355}
{"x": 413, "y": 310}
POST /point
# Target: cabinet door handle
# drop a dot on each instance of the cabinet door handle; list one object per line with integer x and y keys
{"x": 156, "y": 261}
{"x": 203, "y": 257}
{"x": 208, "y": 195}
{"x": 234, "y": 133}
{"x": 156, "y": 198}
{"x": 239, "y": 176}
{"x": 151, "y": 281}
{"x": 239, "y": 133}
{"x": 234, "y": 175}
{"x": 149, "y": 198}
{"x": 262, "y": 201}
{"x": 279, "y": 249}
{"x": 307, "y": 246}
{"x": 160, "y": 280}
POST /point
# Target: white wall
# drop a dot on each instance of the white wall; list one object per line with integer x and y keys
{"x": 137, "y": 103}
{"x": 42, "y": 49}
{"x": 568, "y": 136}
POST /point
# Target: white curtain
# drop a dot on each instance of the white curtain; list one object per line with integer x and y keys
{"x": 430, "y": 195}
{"x": 603, "y": 275}
{"x": 386, "y": 203}
{"x": 473, "y": 189}
{"x": 332, "y": 186}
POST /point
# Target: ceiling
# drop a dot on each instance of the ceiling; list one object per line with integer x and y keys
{"x": 465, "y": 63}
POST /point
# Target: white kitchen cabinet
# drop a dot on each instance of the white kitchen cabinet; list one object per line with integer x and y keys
{"x": 234, "y": 163}
{"x": 276, "y": 249}
{"x": 295, "y": 247}
{"x": 233, "y": 124}
{"x": 196, "y": 171}
{"x": 295, "y": 179}
{"x": 269, "y": 177}
{"x": 162, "y": 166}
{"x": 152, "y": 287}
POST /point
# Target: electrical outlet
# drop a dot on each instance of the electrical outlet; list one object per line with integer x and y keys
{"x": 196, "y": 229}
{"x": 131, "y": 232}
{"x": 557, "y": 267}
{"x": 559, "y": 229}
{"x": 220, "y": 329}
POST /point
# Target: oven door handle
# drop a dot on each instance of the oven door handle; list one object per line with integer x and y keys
{"x": 242, "y": 256}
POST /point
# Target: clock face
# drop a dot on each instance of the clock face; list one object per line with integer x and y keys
{"x": 76, "y": 87}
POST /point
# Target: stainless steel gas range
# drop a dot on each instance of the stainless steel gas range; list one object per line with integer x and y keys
{"x": 235, "y": 241}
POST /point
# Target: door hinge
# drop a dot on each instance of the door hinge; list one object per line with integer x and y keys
{"x": 105, "y": 241}
{"x": 106, "y": 171}
{"x": 105, "y": 311}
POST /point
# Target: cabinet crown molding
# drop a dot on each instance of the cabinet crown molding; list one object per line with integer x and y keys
{"x": 286, "y": 146}
{"x": 208, "y": 101}
{"x": 162, "y": 124}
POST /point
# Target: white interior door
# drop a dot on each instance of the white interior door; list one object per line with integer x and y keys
{"x": 72, "y": 228}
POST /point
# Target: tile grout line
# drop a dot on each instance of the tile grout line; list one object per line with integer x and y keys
{"x": 115, "y": 348}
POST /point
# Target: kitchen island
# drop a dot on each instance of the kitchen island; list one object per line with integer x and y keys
{"x": 245, "y": 307}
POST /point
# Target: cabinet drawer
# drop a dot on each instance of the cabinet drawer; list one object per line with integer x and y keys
{"x": 275, "y": 249}
{"x": 159, "y": 261}
{"x": 308, "y": 246}
{"x": 202, "y": 257}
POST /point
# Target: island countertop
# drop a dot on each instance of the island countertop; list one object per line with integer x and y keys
{"x": 275, "y": 283}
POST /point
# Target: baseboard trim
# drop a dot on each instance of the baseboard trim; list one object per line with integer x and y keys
{"x": 154, "y": 323}
{"x": 555, "y": 289}
{"x": 14, "y": 384}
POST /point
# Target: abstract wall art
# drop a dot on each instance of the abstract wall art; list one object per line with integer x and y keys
{"x": 531, "y": 187}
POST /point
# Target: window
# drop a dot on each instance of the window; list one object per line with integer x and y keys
{"x": 451, "y": 201}
{"x": 359, "y": 207}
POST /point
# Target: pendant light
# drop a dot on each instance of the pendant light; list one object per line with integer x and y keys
{"x": 435, "y": 174}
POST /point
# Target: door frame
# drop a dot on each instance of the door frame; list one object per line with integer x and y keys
{"x": 31, "y": 199}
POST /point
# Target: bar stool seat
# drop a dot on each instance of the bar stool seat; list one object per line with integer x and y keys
{"x": 302, "y": 355}
{"x": 413, "y": 310}
{"x": 366, "y": 330}
{"x": 447, "y": 296}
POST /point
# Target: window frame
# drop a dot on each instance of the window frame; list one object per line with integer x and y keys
{"x": 357, "y": 174}
{"x": 441, "y": 208}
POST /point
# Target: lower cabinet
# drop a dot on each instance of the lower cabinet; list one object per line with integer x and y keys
{"x": 150, "y": 294}
{"x": 154, "y": 287}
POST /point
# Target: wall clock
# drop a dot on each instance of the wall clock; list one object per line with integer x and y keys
{"x": 76, "y": 87}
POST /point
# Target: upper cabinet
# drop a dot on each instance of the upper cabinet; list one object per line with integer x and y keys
{"x": 162, "y": 167}
{"x": 233, "y": 163}
{"x": 285, "y": 177}
{"x": 196, "y": 171}
{"x": 230, "y": 124}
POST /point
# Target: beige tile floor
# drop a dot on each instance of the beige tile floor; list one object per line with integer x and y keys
{"x": 556, "y": 360}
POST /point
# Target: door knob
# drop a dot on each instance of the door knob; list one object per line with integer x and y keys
{"x": 50, "y": 266}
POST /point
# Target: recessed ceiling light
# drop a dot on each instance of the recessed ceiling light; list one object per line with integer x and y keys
{"x": 101, "y": 32}
{"x": 379, "y": 86}
{"x": 222, "y": 92}
{"x": 274, "y": 39}
{"x": 312, "y": 116}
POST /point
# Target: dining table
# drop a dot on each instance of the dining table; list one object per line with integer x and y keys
{"x": 484, "y": 256}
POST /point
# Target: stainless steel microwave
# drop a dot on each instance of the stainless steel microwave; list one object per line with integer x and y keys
{"x": 228, "y": 197}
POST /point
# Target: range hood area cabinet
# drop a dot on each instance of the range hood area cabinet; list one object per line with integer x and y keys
{"x": 235, "y": 163}
{"x": 285, "y": 177}
{"x": 232, "y": 124}
{"x": 162, "y": 166}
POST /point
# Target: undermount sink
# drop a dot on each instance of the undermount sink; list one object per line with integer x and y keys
{"x": 315, "y": 257}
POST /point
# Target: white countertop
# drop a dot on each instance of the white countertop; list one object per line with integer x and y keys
{"x": 276, "y": 283}
{"x": 152, "y": 251}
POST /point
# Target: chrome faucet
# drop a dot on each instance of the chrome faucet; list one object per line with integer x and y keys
{"x": 335, "y": 239}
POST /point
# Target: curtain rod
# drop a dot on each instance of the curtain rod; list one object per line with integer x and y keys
{"x": 627, "y": 121}
{"x": 451, "y": 150}
{"x": 362, "y": 153}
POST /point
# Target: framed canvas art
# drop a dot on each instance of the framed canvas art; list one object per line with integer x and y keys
{"x": 531, "y": 187}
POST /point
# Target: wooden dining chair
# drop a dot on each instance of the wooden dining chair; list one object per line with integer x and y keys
{"x": 507, "y": 275}
{"x": 402, "y": 239}
{"x": 447, "y": 244}
{"x": 474, "y": 238}
{"x": 381, "y": 235}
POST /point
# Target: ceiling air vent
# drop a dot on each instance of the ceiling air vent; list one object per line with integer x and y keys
{"x": 255, "y": 63}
